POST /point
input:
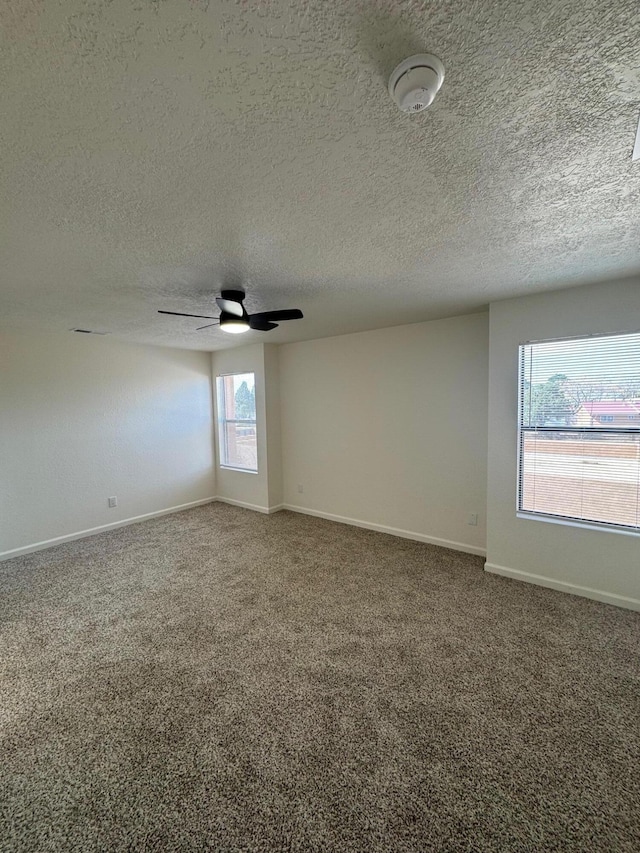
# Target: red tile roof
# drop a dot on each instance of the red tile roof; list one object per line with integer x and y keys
{"x": 612, "y": 407}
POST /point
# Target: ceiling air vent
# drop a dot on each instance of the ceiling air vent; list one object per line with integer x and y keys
{"x": 88, "y": 332}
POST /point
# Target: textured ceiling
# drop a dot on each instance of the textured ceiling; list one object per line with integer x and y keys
{"x": 152, "y": 152}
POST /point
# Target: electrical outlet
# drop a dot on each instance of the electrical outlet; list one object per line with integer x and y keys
{"x": 300, "y": 488}
{"x": 473, "y": 519}
{"x": 113, "y": 501}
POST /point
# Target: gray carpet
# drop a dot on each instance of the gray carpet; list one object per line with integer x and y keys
{"x": 223, "y": 680}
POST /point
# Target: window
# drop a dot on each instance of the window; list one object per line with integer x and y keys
{"x": 237, "y": 421}
{"x": 578, "y": 430}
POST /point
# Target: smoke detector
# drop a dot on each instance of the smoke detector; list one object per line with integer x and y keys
{"x": 414, "y": 83}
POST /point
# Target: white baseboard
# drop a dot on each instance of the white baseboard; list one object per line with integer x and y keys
{"x": 563, "y": 586}
{"x": 355, "y": 522}
{"x": 81, "y": 534}
{"x": 255, "y": 507}
{"x": 393, "y": 531}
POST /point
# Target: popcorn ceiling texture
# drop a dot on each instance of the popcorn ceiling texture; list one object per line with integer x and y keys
{"x": 152, "y": 151}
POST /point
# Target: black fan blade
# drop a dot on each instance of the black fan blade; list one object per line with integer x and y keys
{"x": 230, "y": 306}
{"x": 178, "y": 314}
{"x": 208, "y": 326}
{"x": 285, "y": 314}
{"x": 259, "y": 324}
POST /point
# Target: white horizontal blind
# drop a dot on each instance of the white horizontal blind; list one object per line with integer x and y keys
{"x": 579, "y": 429}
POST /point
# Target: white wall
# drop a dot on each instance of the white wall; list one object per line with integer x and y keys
{"x": 600, "y": 564}
{"x": 84, "y": 418}
{"x": 259, "y": 491}
{"x": 389, "y": 428}
{"x": 274, "y": 427}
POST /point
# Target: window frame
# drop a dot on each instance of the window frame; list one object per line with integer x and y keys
{"x": 521, "y": 431}
{"x": 222, "y": 421}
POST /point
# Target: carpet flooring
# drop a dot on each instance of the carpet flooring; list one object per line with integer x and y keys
{"x": 223, "y": 680}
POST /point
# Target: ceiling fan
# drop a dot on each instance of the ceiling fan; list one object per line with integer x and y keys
{"x": 234, "y": 318}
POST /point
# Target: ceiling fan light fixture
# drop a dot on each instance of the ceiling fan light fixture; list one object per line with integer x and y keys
{"x": 234, "y": 325}
{"x": 234, "y": 318}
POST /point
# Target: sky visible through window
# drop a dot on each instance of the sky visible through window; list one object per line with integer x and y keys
{"x": 244, "y": 392}
{"x": 610, "y": 357}
{"x": 567, "y": 383}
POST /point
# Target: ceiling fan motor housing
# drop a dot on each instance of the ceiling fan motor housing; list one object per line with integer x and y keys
{"x": 233, "y": 295}
{"x": 416, "y": 81}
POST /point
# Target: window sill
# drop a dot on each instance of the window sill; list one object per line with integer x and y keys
{"x": 240, "y": 470}
{"x": 574, "y": 522}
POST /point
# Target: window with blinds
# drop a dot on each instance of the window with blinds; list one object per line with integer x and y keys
{"x": 579, "y": 430}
